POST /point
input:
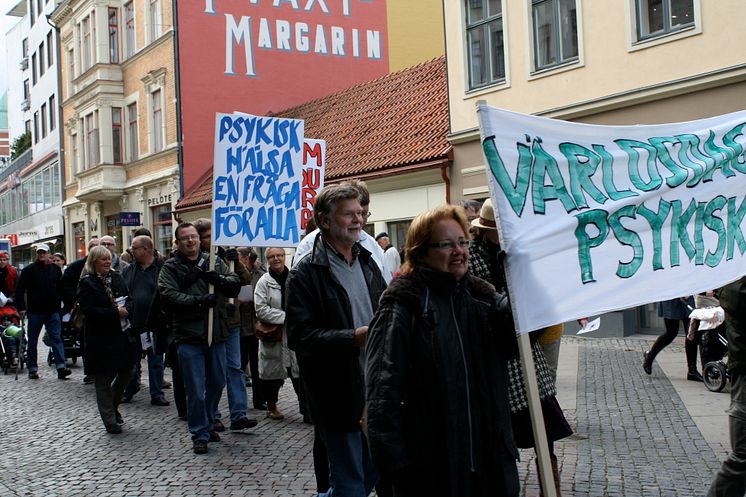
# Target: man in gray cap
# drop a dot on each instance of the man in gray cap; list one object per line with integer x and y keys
{"x": 38, "y": 296}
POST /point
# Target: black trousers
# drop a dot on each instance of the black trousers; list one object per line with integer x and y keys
{"x": 250, "y": 357}
{"x": 172, "y": 361}
{"x": 671, "y": 331}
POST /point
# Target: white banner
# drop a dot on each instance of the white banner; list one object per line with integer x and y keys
{"x": 600, "y": 218}
{"x": 257, "y": 180}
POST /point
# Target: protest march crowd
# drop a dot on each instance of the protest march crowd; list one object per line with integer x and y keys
{"x": 406, "y": 365}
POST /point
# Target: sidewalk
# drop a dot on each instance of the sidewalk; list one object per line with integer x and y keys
{"x": 636, "y": 436}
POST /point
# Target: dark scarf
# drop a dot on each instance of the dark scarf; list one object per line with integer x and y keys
{"x": 281, "y": 279}
{"x": 106, "y": 280}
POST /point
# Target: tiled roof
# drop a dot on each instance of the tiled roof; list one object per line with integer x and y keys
{"x": 390, "y": 124}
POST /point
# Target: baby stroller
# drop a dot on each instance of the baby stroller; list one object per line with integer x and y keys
{"x": 710, "y": 318}
{"x": 12, "y": 344}
{"x": 72, "y": 340}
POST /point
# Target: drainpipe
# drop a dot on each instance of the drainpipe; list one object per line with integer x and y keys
{"x": 447, "y": 181}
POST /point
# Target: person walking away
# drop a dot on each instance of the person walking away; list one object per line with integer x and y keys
{"x": 276, "y": 361}
{"x": 332, "y": 295}
{"x": 38, "y": 292}
{"x": 249, "y": 342}
{"x": 674, "y": 311}
{"x": 183, "y": 285}
{"x": 141, "y": 278}
{"x": 112, "y": 350}
{"x": 730, "y": 480}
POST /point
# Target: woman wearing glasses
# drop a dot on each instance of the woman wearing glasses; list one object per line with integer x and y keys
{"x": 438, "y": 418}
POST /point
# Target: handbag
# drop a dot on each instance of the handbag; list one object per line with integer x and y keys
{"x": 268, "y": 332}
{"x": 77, "y": 318}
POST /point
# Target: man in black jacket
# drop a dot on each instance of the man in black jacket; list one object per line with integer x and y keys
{"x": 332, "y": 295}
{"x": 38, "y": 295}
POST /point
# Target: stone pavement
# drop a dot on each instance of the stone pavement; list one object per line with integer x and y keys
{"x": 636, "y": 435}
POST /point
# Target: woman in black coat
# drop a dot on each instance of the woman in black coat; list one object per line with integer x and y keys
{"x": 438, "y": 420}
{"x": 110, "y": 351}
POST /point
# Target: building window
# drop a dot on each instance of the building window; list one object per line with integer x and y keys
{"x": 113, "y": 36}
{"x": 659, "y": 17}
{"x": 71, "y": 71}
{"x": 36, "y": 127}
{"x": 33, "y": 69}
{"x": 484, "y": 37}
{"x": 27, "y": 126}
{"x": 26, "y": 90}
{"x": 87, "y": 35}
{"x": 79, "y": 239}
{"x": 32, "y": 11}
{"x": 129, "y": 27}
{"x": 42, "y": 67}
{"x": 132, "y": 131}
{"x": 116, "y": 134}
{"x": 24, "y": 47}
{"x": 50, "y": 49}
{"x": 163, "y": 228}
{"x": 91, "y": 140}
{"x": 555, "y": 24}
{"x": 43, "y": 120}
{"x": 155, "y": 99}
{"x": 74, "y": 161}
{"x": 52, "y": 112}
{"x": 39, "y": 7}
{"x": 154, "y": 19}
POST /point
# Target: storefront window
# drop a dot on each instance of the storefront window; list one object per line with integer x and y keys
{"x": 113, "y": 230}
{"x": 79, "y": 241}
{"x": 162, "y": 228}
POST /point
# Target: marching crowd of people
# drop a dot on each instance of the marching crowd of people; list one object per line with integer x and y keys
{"x": 395, "y": 359}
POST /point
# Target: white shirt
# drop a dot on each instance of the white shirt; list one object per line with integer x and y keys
{"x": 392, "y": 260}
{"x": 368, "y": 242}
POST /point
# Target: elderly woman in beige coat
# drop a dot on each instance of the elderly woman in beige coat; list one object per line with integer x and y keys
{"x": 276, "y": 360}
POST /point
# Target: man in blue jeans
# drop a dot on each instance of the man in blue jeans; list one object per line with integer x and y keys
{"x": 38, "y": 297}
{"x": 332, "y": 294}
{"x": 183, "y": 287}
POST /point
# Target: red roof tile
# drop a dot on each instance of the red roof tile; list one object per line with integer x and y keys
{"x": 379, "y": 127}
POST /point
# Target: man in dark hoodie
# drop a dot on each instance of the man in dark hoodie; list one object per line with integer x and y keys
{"x": 38, "y": 295}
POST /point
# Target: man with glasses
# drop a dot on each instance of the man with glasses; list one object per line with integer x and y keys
{"x": 306, "y": 245}
{"x": 39, "y": 292}
{"x": 183, "y": 285}
{"x": 141, "y": 278}
{"x": 117, "y": 263}
{"x": 332, "y": 294}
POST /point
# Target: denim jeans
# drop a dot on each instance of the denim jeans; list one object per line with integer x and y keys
{"x": 234, "y": 377}
{"x": 351, "y": 472}
{"x": 203, "y": 368}
{"x": 53, "y": 325}
{"x": 730, "y": 481}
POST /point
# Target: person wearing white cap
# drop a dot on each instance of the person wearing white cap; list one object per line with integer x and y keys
{"x": 38, "y": 296}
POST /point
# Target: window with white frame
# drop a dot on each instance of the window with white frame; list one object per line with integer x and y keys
{"x": 42, "y": 66}
{"x": 70, "y": 71}
{"x": 116, "y": 134}
{"x": 157, "y": 120}
{"x": 132, "y": 130}
{"x": 50, "y": 49}
{"x": 661, "y": 17}
{"x": 36, "y": 127}
{"x": 555, "y": 32}
{"x": 90, "y": 126}
{"x": 485, "y": 43}
{"x": 52, "y": 112}
{"x": 86, "y": 44}
{"x": 113, "y": 20}
{"x": 44, "y": 120}
{"x": 154, "y": 19}
{"x": 129, "y": 28}
{"x": 74, "y": 159}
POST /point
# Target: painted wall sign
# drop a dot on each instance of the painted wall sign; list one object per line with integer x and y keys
{"x": 159, "y": 199}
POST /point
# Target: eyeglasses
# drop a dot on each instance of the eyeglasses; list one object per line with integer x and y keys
{"x": 187, "y": 238}
{"x": 108, "y": 244}
{"x": 450, "y": 244}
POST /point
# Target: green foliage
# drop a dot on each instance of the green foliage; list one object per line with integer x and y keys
{"x": 20, "y": 145}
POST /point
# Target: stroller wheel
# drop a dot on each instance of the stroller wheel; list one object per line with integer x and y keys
{"x": 715, "y": 376}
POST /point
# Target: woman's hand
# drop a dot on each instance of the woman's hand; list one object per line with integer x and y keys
{"x": 122, "y": 312}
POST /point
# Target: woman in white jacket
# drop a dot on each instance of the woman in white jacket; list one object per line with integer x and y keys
{"x": 276, "y": 361}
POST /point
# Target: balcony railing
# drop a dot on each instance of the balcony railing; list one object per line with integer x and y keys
{"x": 21, "y": 161}
{"x": 25, "y": 104}
{"x": 24, "y": 63}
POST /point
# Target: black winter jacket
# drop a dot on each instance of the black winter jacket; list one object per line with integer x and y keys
{"x": 320, "y": 330}
{"x": 733, "y": 301}
{"x": 437, "y": 398}
{"x": 38, "y": 289}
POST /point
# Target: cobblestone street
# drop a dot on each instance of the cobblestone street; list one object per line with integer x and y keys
{"x": 636, "y": 435}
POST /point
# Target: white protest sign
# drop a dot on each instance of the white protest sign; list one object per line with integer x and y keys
{"x": 314, "y": 168}
{"x": 601, "y": 218}
{"x": 257, "y": 180}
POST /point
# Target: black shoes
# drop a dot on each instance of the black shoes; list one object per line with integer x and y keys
{"x": 114, "y": 429}
{"x": 63, "y": 373}
{"x": 199, "y": 447}
{"x": 214, "y": 437}
{"x": 647, "y": 365}
{"x": 243, "y": 423}
{"x": 261, "y": 406}
{"x": 33, "y": 376}
{"x": 218, "y": 426}
{"x": 159, "y": 401}
{"x": 120, "y": 420}
{"x": 87, "y": 380}
{"x": 694, "y": 376}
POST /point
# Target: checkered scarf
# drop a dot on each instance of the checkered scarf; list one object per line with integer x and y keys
{"x": 517, "y": 389}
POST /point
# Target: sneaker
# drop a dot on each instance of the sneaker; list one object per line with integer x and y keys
{"x": 33, "y": 375}
{"x": 166, "y": 384}
{"x": 114, "y": 429}
{"x": 218, "y": 426}
{"x": 63, "y": 373}
{"x": 159, "y": 401}
{"x": 243, "y": 423}
{"x": 214, "y": 437}
{"x": 199, "y": 446}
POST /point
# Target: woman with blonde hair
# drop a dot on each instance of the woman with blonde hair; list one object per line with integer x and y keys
{"x": 110, "y": 351}
{"x": 438, "y": 417}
